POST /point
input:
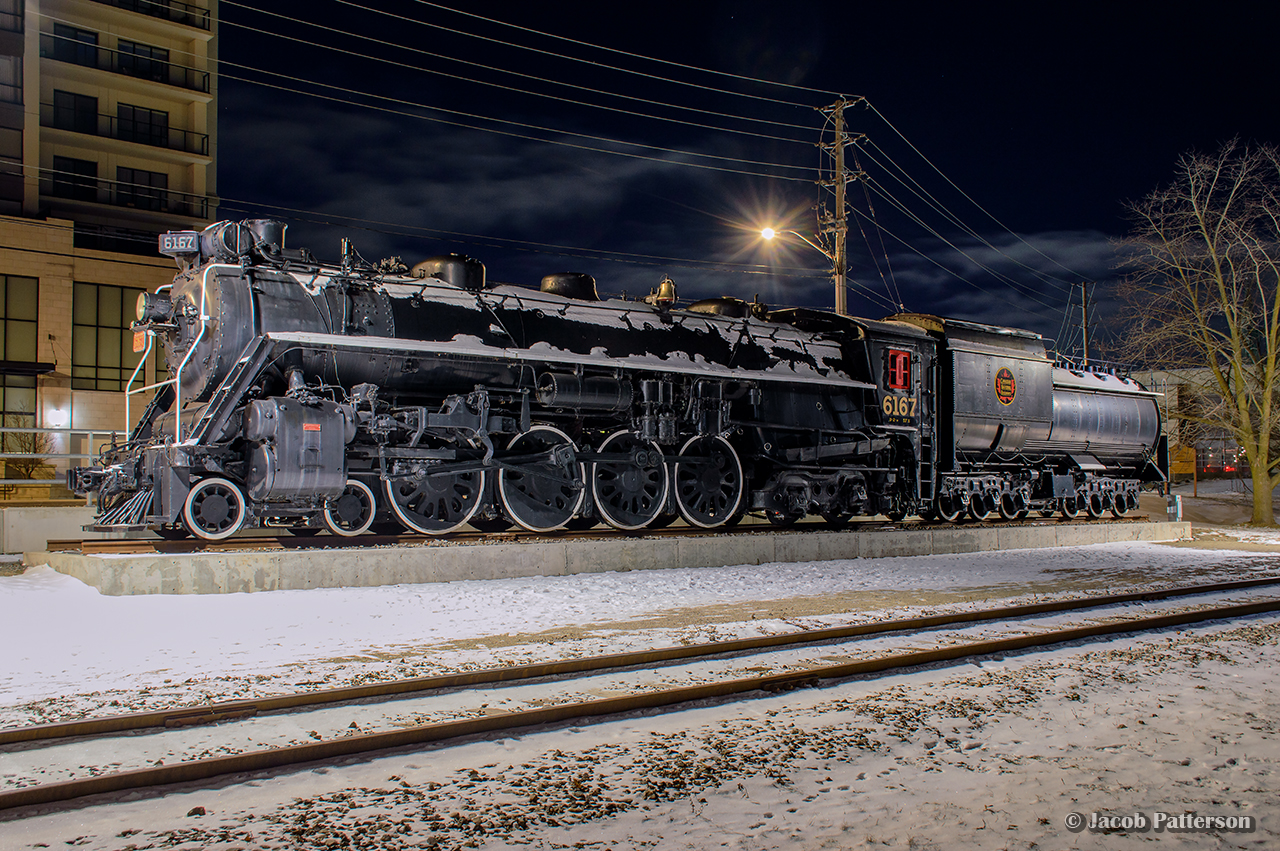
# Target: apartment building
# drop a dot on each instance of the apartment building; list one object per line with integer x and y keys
{"x": 108, "y": 137}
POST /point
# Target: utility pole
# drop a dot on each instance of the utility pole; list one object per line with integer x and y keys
{"x": 836, "y": 222}
{"x": 1084, "y": 322}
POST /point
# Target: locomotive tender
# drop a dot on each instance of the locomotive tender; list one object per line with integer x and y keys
{"x": 351, "y": 397}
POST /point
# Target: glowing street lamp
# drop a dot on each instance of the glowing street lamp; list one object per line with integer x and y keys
{"x": 837, "y": 264}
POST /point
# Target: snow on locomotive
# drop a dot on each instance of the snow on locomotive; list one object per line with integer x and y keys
{"x": 349, "y": 397}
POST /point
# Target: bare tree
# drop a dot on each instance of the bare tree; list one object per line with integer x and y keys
{"x": 1204, "y": 296}
{"x": 31, "y": 443}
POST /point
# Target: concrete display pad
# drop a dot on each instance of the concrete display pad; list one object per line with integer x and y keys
{"x": 443, "y": 561}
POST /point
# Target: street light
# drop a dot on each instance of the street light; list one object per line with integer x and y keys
{"x": 837, "y": 264}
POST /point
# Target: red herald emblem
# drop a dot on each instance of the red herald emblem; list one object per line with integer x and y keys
{"x": 1006, "y": 386}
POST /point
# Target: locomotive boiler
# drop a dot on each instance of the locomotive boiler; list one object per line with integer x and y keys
{"x": 352, "y": 397}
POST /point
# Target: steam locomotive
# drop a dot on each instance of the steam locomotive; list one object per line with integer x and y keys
{"x": 354, "y": 397}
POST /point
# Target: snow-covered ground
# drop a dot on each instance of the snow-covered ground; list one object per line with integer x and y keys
{"x": 991, "y": 755}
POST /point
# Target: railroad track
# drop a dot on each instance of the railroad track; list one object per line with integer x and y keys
{"x": 251, "y": 542}
{"x": 545, "y": 703}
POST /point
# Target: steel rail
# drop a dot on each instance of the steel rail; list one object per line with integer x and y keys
{"x": 257, "y": 761}
{"x": 291, "y": 542}
{"x": 230, "y": 710}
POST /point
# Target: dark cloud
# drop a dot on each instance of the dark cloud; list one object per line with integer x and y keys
{"x": 1050, "y": 128}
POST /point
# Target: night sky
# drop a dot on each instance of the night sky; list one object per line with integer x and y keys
{"x": 1049, "y": 117}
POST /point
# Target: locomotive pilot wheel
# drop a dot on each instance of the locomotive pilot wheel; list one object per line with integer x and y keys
{"x": 214, "y": 509}
{"x": 544, "y": 495}
{"x": 435, "y": 505}
{"x": 629, "y": 494}
{"x": 709, "y": 489}
{"x": 352, "y": 512}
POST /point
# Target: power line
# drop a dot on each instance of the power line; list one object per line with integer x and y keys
{"x": 391, "y": 111}
{"x": 1010, "y": 282}
{"x": 378, "y": 226}
{"x": 915, "y": 188}
{"x": 948, "y": 270}
{"x": 598, "y": 64}
{"x": 989, "y": 215}
{"x": 519, "y": 74}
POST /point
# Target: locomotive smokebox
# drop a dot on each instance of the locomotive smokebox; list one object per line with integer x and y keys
{"x": 458, "y": 269}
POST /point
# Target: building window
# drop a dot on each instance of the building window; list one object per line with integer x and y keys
{"x": 10, "y": 76}
{"x": 18, "y": 299}
{"x": 75, "y": 112}
{"x": 142, "y": 189}
{"x": 143, "y": 60}
{"x": 76, "y": 179}
{"x": 139, "y": 124}
{"x": 102, "y": 355}
{"x": 11, "y": 15}
{"x": 72, "y": 44}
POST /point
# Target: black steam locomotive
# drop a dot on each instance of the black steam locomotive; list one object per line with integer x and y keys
{"x": 352, "y": 397}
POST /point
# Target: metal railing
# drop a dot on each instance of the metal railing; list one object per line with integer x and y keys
{"x": 169, "y": 10}
{"x": 81, "y": 187}
{"x": 94, "y": 438}
{"x": 124, "y": 129}
{"x": 65, "y": 49}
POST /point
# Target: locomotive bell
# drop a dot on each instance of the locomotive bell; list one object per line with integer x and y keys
{"x": 664, "y": 296}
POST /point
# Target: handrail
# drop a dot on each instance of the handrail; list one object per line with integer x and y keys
{"x": 55, "y": 183}
{"x": 169, "y": 10}
{"x": 91, "y": 55}
{"x": 113, "y": 127}
{"x": 176, "y": 381}
{"x": 128, "y": 392}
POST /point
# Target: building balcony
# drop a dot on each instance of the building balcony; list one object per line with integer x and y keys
{"x": 89, "y": 55}
{"x": 168, "y": 10}
{"x": 113, "y": 127}
{"x": 152, "y": 199}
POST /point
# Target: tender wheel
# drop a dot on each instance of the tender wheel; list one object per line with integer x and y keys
{"x": 1095, "y": 506}
{"x": 352, "y": 512}
{"x": 1121, "y": 505}
{"x": 1069, "y": 507}
{"x": 214, "y": 509}
{"x": 542, "y": 495}
{"x": 434, "y": 505}
{"x": 709, "y": 490}
{"x": 979, "y": 507}
{"x": 782, "y": 519}
{"x": 836, "y": 519}
{"x": 629, "y": 494}
{"x": 948, "y": 508}
{"x": 1011, "y": 508}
